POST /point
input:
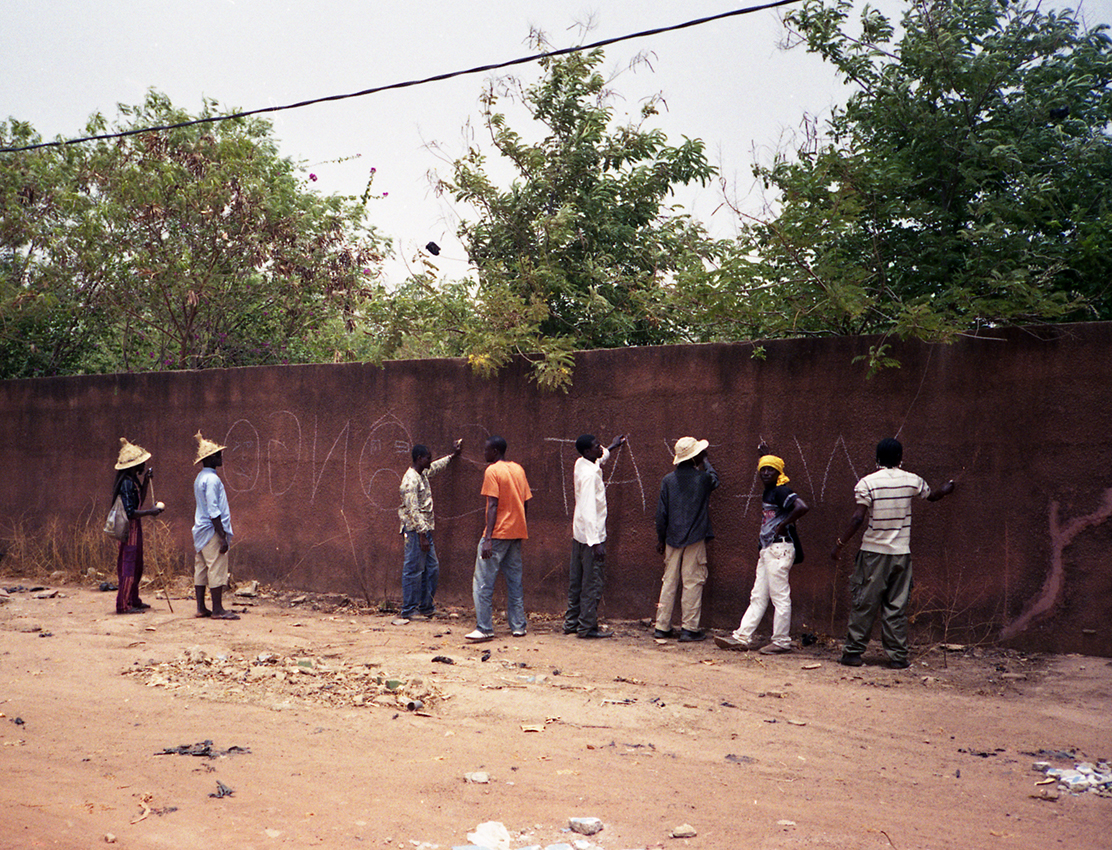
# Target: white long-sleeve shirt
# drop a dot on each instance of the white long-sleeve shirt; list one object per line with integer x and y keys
{"x": 588, "y": 524}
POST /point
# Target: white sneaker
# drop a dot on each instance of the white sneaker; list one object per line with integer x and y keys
{"x": 478, "y": 636}
{"x": 518, "y": 633}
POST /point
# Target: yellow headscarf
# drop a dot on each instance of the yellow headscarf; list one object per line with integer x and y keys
{"x": 777, "y": 464}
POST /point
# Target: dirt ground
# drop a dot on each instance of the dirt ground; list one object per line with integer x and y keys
{"x": 305, "y": 706}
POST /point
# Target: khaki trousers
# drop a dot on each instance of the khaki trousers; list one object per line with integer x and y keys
{"x": 210, "y": 565}
{"x": 689, "y": 566}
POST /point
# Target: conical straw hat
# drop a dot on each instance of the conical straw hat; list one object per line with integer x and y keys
{"x": 131, "y": 454}
{"x": 206, "y": 447}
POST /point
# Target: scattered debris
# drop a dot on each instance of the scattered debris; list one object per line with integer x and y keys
{"x": 736, "y": 759}
{"x": 269, "y": 678}
{"x": 203, "y": 749}
{"x": 492, "y": 834}
{"x": 478, "y": 777}
{"x": 585, "y": 826}
{"x": 1085, "y": 777}
{"x": 982, "y": 753}
{"x": 684, "y": 831}
{"x": 222, "y": 790}
{"x": 144, "y": 801}
{"x": 442, "y": 659}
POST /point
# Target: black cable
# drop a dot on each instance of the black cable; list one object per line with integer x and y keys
{"x": 437, "y": 78}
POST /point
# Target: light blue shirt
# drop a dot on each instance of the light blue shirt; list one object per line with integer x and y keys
{"x": 212, "y": 501}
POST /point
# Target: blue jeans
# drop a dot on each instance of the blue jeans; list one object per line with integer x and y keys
{"x": 505, "y": 556}
{"x": 419, "y": 573}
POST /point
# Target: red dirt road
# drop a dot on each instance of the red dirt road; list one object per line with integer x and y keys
{"x": 752, "y": 751}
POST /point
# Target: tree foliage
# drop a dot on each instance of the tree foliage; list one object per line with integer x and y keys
{"x": 192, "y": 247}
{"x": 578, "y": 251}
{"x": 966, "y": 182}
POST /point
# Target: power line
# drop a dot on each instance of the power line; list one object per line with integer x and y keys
{"x": 408, "y": 83}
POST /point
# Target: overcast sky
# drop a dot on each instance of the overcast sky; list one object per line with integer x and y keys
{"x": 726, "y": 82}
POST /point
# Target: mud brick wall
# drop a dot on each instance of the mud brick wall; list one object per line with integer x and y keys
{"x": 1021, "y": 553}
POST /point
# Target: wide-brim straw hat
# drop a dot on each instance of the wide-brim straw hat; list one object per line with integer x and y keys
{"x": 206, "y": 447}
{"x": 687, "y": 448}
{"x": 131, "y": 454}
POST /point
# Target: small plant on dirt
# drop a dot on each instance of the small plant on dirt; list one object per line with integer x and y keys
{"x": 953, "y": 610}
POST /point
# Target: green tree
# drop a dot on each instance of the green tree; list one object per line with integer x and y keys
{"x": 579, "y": 250}
{"x": 966, "y": 182}
{"x": 50, "y": 310}
{"x": 193, "y": 247}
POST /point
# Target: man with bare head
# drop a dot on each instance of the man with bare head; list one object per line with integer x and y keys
{"x": 881, "y": 580}
{"x": 507, "y": 496}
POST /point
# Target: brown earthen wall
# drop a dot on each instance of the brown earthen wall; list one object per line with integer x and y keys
{"x": 1020, "y": 553}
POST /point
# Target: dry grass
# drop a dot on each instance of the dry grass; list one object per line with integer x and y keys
{"x": 72, "y": 553}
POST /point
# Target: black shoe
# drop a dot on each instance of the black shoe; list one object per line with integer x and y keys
{"x": 898, "y": 665}
{"x": 660, "y": 634}
{"x": 570, "y": 631}
{"x": 687, "y": 637}
{"x": 851, "y": 659}
{"x": 595, "y": 633}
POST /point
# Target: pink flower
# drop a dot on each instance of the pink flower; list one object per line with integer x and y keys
{"x": 384, "y": 194}
{"x": 313, "y": 177}
{"x": 372, "y": 169}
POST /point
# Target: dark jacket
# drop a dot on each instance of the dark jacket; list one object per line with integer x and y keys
{"x": 129, "y": 492}
{"x": 682, "y": 517}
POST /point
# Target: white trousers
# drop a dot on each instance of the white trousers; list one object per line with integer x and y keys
{"x": 771, "y": 583}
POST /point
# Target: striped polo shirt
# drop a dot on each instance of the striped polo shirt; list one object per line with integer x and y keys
{"x": 887, "y": 493}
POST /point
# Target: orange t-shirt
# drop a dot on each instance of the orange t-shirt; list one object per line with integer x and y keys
{"x": 505, "y": 481}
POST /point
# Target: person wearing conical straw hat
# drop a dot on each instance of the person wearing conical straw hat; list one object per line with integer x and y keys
{"x": 212, "y": 531}
{"x": 131, "y": 486}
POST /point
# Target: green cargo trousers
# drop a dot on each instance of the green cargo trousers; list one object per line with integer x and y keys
{"x": 881, "y": 584}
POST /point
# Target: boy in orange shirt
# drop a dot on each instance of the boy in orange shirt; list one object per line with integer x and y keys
{"x": 507, "y": 495}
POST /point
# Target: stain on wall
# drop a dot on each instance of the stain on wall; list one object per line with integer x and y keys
{"x": 315, "y": 454}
